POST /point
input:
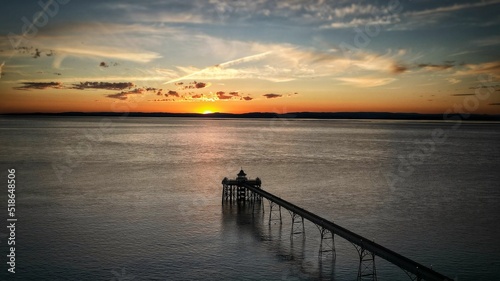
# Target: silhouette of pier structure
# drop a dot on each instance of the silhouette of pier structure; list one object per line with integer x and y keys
{"x": 243, "y": 189}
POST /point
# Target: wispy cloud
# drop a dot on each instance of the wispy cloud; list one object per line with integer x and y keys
{"x": 219, "y": 67}
{"x": 417, "y": 19}
{"x": 366, "y": 82}
{"x": 287, "y": 62}
{"x": 109, "y": 52}
{"x": 461, "y": 53}
{"x": 488, "y": 41}
{"x": 489, "y": 68}
{"x": 386, "y": 20}
{"x": 452, "y": 8}
{"x": 380, "y": 63}
{"x": 435, "y": 67}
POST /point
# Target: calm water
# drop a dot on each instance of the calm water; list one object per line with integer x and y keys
{"x": 139, "y": 198}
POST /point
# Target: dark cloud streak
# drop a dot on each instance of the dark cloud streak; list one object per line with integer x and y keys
{"x": 39, "y": 86}
{"x": 436, "y": 67}
{"x": 103, "y": 85}
{"x": 124, "y": 95}
{"x": 272, "y": 96}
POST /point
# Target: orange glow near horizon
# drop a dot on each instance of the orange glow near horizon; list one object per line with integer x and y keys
{"x": 22, "y": 104}
{"x": 68, "y": 100}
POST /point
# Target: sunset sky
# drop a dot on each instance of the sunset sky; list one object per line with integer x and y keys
{"x": 250, "y": 56}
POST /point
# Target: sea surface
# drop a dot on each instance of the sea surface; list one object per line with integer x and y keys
{"x": 140, "y": 198}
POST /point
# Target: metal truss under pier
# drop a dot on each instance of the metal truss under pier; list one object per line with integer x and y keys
{"x": 242, "y": 189}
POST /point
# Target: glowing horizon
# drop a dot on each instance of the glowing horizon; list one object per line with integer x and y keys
{"x": 270, "y": 56}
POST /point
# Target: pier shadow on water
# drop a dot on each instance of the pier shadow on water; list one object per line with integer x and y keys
{"x": 299, "y": 262}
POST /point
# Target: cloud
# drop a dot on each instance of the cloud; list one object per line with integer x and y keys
{"x": 434, "y": 67}
{"x": 398, "y": 68}
{"x": 199, "y": 85}
{"x": 444, "y": 15}
{"x": 192, "y": 85}
{"x": 223, "y": 96}
{"x": 37, "y": 54}
{"x": 221, "y": 66}
{"x": 486, "y": 87}
{"x": 108, "y": 52}
{"x": 124, "y": 42}
{"x": 496, "y": 103}
{"x": 386, "y": 20}
{"x": 210, "y": 96}
{"x": 462, "y": 95}
{"x": 103, "y": 85}
{"x": 286, "y": 62}
{"x": 31, "y": 51}
{"x": 272, "y": 96}
{"x": 243, "y": 59}
{"x": 231, "y": 95}
{"x": 462, "y": 53}
{"x": 1, "y": 67}
{"x": 159, "y": 12}
{"x": 172, "y": 93}
{"x": 452, "y": 8}
{"x": 124, "y": 95}
{"x": 379, "y": 63}
{"x": 454, "y": 80}
{"x": 39, "y": 86}
{"x": 488, "y": 41}
{"x": 488, "y": 68}
{"x": 355, "y": 9}
{"x": 366, "y": 82}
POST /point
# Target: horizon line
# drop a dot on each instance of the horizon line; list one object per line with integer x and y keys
{"x": 298, "y": 115}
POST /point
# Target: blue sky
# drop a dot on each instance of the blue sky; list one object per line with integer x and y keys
{"x": 400, "y": 56}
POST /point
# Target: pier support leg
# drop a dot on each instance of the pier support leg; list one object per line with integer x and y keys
{"x": 241, "y": 193}
{"x": 297, "y": 225}
{"x": 227, "y": 193}
{"x": 367, "y": 270}
{"x": 274, "y": 213}
{"x": 224, "y": 193}
{"x": 327, "y": 243}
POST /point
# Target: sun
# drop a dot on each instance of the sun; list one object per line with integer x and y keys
{"x": 207, "y": 112}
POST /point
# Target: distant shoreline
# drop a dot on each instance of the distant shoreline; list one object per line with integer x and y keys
{"x": 291, "y": 115}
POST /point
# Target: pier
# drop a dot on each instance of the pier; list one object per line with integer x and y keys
{"x": 242, "y": 189}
